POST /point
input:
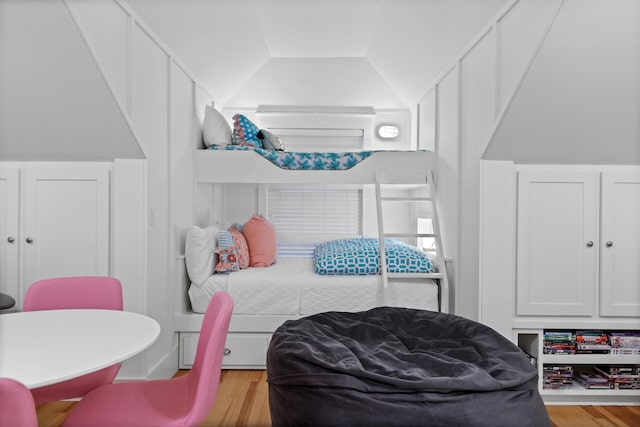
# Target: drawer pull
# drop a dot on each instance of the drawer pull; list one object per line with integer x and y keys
{"x": 227, "y": 351}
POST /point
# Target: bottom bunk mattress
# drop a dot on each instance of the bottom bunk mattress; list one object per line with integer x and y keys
{"x": 291, "y": 287}
{"x": 391, "y": 366}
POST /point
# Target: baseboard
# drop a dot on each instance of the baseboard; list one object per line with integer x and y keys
{"x": 167, "y": 367}
{"x": 133, "y": 369}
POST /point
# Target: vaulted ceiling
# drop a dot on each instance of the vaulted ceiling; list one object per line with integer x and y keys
{"x": 396, "y": 47}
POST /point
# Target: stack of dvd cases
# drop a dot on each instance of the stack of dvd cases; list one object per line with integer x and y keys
{"x": 625, "y": 342}
{"x": 557, "y": 377}
{"x": 592, "y": 342}
{"x": 559, "y": 342}
{"x": 592, "y": 379}
{"x": 621, "y": 377}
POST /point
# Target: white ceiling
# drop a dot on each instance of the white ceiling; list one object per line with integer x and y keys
{"x": 231, "y": 45}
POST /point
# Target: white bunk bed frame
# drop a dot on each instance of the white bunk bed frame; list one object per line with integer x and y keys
{"x": 249, "y": 335}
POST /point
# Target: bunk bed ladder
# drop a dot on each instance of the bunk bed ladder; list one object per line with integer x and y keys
{"x": 440, "y": 277}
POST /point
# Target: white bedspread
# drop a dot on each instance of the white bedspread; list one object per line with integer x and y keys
{"x": 290, "y": 287}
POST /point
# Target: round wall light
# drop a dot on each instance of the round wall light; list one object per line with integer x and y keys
{"x": 388, "y": 132}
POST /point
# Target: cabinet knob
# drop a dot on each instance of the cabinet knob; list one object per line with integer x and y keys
{"x": 227, "y": 351}
{"x": 589, "y": 243}
{"x": 609, "y": 243}
{"x": 29, "y": 240}
{"x": 10, "y": 239}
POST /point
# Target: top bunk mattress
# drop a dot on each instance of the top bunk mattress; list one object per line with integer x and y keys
{"x": 238, "y": 164}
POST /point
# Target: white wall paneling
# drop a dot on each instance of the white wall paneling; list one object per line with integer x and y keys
{"x": 163, "y": 105}
{"x": 426, "y": 119}
{"x": 149, "y": 111}
{"x": 468, "y": 97}
{"x": 129, "y": 231}
{"x": 183, "y": 136}
{"x": 477, "y": 94}
{"x": 448, "y": 178}
{"x": 497, "y": 244}
{"x": 129, "y": 236}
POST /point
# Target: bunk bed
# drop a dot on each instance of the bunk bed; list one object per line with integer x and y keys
{"x": 290, "y": 289}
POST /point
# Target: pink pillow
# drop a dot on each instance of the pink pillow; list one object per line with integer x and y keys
{"x": 261, "y": 238}
{"x": 241, "y": 246}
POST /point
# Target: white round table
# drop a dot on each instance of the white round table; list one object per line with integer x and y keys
{"x": 39, "y": 348}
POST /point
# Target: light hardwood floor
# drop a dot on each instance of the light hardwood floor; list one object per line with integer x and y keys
{"x": 242, "y": 400}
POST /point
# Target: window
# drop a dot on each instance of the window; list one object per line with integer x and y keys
{"x": 321, "y": 140}
{"x": 427, "y": 244}
{"x": 305, "y": 216}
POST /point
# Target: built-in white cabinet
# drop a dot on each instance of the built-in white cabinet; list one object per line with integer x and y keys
{"x": 9, "y": 229}
{"x": 242, "y": 350}
{"x": 55, "y": 222}
{"x": 578, "y": 242}
{"x": 561, "y": 252}
{"x": 620, "y": 244}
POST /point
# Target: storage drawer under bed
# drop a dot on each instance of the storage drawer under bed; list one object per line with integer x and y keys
{"x": 242, "y": 350}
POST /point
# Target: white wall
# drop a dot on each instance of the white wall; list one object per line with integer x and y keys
{"x": 55, "y": 104}
{"x": 457, "y": 118}
{"x": 164, "y": 107}
{"x": 227, "y": 43}
{"x": 580, "y": 100}
{"x": 316, "y": 81}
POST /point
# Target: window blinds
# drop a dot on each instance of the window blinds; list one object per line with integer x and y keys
{"x": 304, "y": 216}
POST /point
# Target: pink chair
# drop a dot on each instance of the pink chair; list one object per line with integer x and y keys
{"x": 17, "y": 408}
{"x": 182, "y": 401}
{"x": 74, "y": 293}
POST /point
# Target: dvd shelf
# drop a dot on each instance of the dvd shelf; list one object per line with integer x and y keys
{"x": 585, "y": 366}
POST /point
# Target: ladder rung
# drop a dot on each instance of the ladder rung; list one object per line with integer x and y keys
{"x": 398, "y": 235}
{"x": 406, "y": 199}
{"x": 414, "y": 275}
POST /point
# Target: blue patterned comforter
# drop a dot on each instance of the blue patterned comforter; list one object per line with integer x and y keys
{"x": 360, "y": 256}
{"x": 304, "y": 161}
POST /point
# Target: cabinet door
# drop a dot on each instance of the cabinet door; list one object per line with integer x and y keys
{"x": 620, "y": 244}
{"x": 66, "y": 231}
{"x": 9, "y": 214}
{"x": 557, "y": 247}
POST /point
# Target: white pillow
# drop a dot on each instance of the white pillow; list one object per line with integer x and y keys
{"x": 215, "y": 128}
{"x": 199, "y": 253}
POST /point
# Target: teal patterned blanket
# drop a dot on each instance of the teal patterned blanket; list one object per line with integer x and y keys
{"x": 304, "y": 161}
{"x": 360, "y": 256}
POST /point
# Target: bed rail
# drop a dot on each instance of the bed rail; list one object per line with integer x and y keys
{"x": 235, "y": 166}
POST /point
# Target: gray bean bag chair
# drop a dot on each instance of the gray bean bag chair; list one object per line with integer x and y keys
{"x": 399, "y": 367}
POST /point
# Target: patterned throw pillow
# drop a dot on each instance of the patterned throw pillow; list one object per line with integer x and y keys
{"x": 270, "y": 140}
{"x": 245, "y": 132}
{"x": 242, "y": 248}
{"x": 225, "y": 239}
{"x": 226, "y": 253}
{"x": 227, "y": 260}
